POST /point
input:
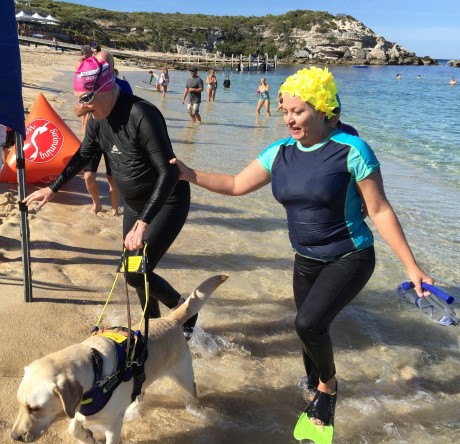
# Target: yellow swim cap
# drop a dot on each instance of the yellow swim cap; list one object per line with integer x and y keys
{"x": 315, "y": 86}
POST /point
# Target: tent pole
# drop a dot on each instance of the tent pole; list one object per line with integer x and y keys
{"x": 24, "y": 223}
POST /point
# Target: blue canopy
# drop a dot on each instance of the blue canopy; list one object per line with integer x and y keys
{"x": 12, "y": 109}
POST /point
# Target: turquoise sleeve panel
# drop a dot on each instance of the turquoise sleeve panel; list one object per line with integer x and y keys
{"x": 268, "y": 155}
{"x": 361, "y": 158}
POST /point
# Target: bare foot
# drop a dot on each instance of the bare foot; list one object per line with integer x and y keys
{"x": 114, "y": 211}
{"x": 95, "y": 209}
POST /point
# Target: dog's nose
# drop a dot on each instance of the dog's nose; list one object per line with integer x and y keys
{"x": 16, "y": 437}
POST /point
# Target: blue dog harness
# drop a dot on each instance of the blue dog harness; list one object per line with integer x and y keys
{"x": 129, "y": 366}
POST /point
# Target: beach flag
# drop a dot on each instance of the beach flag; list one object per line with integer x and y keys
{"x": 12, "y": 115}
{"x": 48, "y": 147}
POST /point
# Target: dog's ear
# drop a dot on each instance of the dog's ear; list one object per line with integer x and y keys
{"x": 71, "y": 393}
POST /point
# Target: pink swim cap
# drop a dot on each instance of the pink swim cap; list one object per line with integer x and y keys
{"x": 86, "y": 75}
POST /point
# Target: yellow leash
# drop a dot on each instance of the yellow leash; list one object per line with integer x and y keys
{"x": 129, "y": 264}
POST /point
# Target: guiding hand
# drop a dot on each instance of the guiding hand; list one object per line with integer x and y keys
{"x": 42, "y": 195}
{"x": 184, "y": 170}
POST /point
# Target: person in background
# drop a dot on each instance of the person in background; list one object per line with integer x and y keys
{"x": 280, "y": 98}
{"x": 335, "y": 121}
{"x": 122, "y": 83}
{"x": 133, "y": 134}
{"x": 85, "y": 52}
{"x": 193, "y": 88}
{"x": 419, "y": 77}
{"x": 453, "y": 81}
{"x": 96, "y": 49}
{"x": 264, "y": 97}
{"x": 398, "y": 76}
{"x": 322, "y": 176}
{"x": 211, "y": 82}
{"x": 226, "y": 83}
{"x": 164, "y": 81}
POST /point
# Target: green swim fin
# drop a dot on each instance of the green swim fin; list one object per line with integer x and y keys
{"x": 305, "y": 429}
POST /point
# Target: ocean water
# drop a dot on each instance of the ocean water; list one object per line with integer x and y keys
{"x": 397, "y": 370}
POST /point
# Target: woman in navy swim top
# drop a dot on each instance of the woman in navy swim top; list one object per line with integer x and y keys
{"x": 323, "y": 177}
{"x": 132, "y": 133}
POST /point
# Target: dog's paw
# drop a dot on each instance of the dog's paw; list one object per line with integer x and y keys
{"x": 85, "y": 436}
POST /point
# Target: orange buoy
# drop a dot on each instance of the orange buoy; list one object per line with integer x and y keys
{"x": 48, "y": 146}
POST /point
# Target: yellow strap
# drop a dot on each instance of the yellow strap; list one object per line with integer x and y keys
{"x": 134, "y": 263}
{"x": 117, "y": 337}
{"x": 133, "y": 266}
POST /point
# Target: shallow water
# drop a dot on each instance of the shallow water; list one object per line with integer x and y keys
{"x": 397, "y": 371}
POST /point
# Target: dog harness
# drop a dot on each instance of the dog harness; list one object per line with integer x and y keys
{"x": 129, "y": 365}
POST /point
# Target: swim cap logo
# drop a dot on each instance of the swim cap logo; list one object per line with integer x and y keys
{"x": 44, "y": 141}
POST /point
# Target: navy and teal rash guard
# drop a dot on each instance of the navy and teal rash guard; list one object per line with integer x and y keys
{"x": 317, "y": 187}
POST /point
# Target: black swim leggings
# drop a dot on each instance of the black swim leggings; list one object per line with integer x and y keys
{"x": 321, "y": 291}
{"x": 161, "y": 233}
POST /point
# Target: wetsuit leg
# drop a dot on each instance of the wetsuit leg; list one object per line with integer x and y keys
{"x": 321, "y": 291}
{"x": 161, "y": 233}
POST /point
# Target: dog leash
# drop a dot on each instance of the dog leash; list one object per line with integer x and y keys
{"x": 130, "y": 263}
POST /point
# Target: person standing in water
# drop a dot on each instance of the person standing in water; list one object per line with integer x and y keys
{"x": 211, "y": 82}
{"x": 323, "y": 177}
{"x": 164, "y": 81}
{"x": 264, "y": 97}
{"x": 226, "y": 83}
{"x": 193, "y": 89}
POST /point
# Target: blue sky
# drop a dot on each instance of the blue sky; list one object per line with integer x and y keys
{"x": 426, "y": 27}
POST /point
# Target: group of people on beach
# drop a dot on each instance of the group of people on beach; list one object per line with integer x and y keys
{"x": 326, "y": 177}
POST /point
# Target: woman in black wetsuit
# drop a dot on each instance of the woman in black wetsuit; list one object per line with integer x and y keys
{"x": 133, "y": 134}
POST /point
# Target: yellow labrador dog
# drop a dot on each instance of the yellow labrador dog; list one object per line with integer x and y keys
{"x": 57, "y": 382}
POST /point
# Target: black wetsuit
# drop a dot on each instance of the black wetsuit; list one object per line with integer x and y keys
{"x": 135, "y": 139}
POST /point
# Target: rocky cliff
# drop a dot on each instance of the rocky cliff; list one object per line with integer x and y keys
{"x": 344, "y": 41}
{"x": 351, "y": 42}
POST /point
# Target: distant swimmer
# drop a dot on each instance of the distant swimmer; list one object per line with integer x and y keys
{"x": 398, "y": 77}
{"x": 453, "y": 81}
{"x": 419, "y": 77}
